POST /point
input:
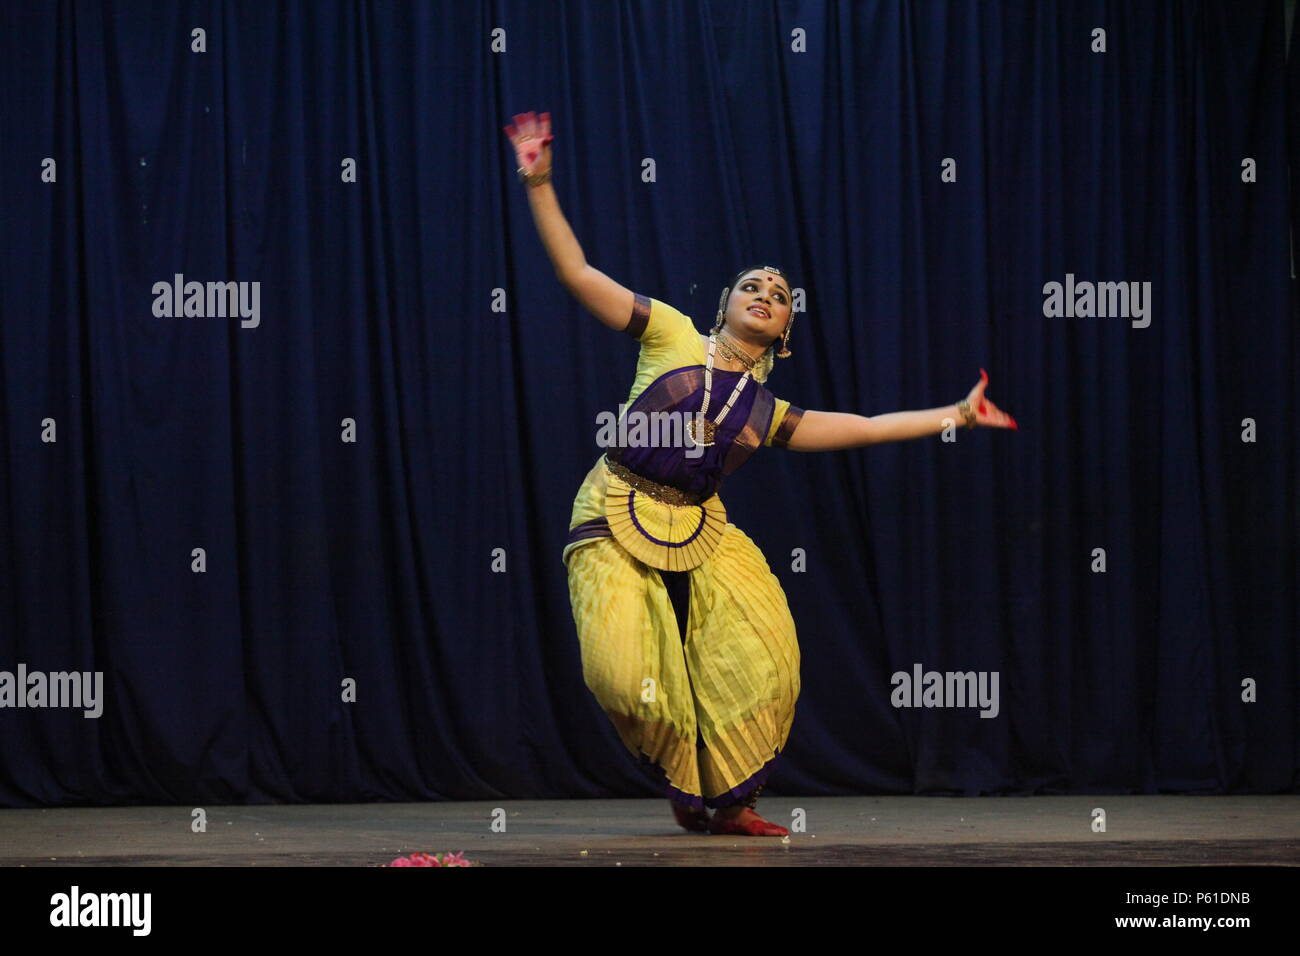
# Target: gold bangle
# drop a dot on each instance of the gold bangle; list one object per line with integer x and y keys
{"x": 534, "y": 179}
{"x": 964, "y": 407}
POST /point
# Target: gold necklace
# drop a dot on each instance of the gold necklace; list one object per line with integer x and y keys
{"x": 735, "y": 353}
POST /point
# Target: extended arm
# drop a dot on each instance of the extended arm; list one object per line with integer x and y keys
{"x": 831, "y": 431}
{"x": 600, "y": 295}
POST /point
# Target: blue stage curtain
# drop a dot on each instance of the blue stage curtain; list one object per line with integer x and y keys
{"x": 922, "y": 170}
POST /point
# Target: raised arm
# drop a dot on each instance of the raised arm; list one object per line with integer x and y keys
{"x": 832, "y": 431}
{"x": 600, "y": 295}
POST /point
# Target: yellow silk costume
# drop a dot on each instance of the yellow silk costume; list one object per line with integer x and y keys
{"x": 709, "y": 711}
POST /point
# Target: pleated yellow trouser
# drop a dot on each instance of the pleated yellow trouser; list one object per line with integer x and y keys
{"x": 708, "y": 714}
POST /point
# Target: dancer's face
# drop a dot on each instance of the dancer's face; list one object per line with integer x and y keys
{"x": 756, "y": 293}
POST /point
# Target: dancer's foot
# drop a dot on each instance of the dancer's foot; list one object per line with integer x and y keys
{"x": 743, "y": 821}
{"x": 691, "y": 818}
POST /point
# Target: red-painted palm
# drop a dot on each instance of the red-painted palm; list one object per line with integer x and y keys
{"x": 986, "y": 413}
{"x": 531, "y": 137}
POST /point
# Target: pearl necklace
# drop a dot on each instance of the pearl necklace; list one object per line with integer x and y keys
{"x": 711, "y": 427}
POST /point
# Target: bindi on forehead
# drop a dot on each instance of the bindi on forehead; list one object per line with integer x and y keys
{"x": 769, "y": 277}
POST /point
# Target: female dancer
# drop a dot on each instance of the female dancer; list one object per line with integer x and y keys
{"x": 687, "y": 641}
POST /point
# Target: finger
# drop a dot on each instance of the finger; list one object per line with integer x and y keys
{"x": 997, "y": 417}
{"x": 544, "y": 130}
{"x": 512, "y": 131}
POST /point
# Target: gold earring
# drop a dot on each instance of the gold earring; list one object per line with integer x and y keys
{"x": 722, "y": 305}
{"x": 785, "y": 340}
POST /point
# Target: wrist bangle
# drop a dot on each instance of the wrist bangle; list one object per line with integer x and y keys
{"x": 534, "y": 179}
{"x": 964, "y": 407}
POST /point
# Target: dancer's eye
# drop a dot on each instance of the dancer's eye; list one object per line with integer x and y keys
{"x": 749, "y": 285}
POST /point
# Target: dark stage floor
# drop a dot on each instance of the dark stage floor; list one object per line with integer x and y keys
{"x": 870, "y": 831}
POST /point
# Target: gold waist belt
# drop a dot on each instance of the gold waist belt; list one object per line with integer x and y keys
{"x": 665, "y": 493}
{"x": 664, "y": 527}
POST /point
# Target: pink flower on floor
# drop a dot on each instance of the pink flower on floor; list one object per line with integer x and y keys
{"x": 434, "y": 859}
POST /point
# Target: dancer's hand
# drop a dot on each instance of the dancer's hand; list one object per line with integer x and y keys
{"x": 986, "y": 413}
{"x": 531, "y": 137}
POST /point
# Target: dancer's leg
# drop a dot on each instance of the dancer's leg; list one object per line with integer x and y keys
{"x": 678, "y": 585}
{"x": 743, "y": 658}
{"x": 633, "y": 662}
